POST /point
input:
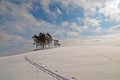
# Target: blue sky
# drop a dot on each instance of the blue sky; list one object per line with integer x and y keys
{"x": 71, "y": 21}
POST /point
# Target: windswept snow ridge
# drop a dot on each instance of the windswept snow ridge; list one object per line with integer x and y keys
{"x": 58, "y": 77}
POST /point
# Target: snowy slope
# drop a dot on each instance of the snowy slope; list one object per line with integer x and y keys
{"x": 72, "y": 63}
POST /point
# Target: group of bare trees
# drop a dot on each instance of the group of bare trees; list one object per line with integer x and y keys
{"x": 43, "y": 41}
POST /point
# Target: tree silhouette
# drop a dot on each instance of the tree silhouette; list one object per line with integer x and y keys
{"x": 42, "y": 40}
{"x": 48, "y": 39}
{"x": 36, "y": 41}
{"x": 56, "y": 43}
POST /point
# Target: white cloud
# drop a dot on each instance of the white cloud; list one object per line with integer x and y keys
{"x": 110, "y": 39}
{"x": 74, "y": 30}
{"x": 65, "y": 24}
{"x": 88, "y": 5}
{"x": 73, "y": 34}
{"x": 45, "y": 4}
{"x": 23, "y": 21}
{"x": 92, "y": 24}
{"x": 8, "y": 40}
{"x": 72, "y": 25}
{"x": 59, "y": 11}
{"x": 111, "y": 9}
{"x": 107, "y": 7}
{"x": 109, "y": 36}
{"x": 4, "y": 38}
{"x": 76, "y": 27}
{"x": 114, "y": 29}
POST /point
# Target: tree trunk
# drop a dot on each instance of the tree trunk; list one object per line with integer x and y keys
{"x": 49, "y": 45}
{"x": 36, "y": 46}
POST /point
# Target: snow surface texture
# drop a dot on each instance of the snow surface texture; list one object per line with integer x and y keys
{"x": 65, "y": 63}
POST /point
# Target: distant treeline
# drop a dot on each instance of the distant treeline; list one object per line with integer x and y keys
{"x": 44, "y": 40}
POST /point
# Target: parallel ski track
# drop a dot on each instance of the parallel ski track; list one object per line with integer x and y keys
{"x": 51, "y": 73}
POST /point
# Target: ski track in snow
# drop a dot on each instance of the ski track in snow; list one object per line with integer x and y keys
{"x": 49, "y": 72}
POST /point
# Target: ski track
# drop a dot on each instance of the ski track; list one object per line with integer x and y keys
{"x": 49, "y": 72}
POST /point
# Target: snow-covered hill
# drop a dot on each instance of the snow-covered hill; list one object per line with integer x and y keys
{"x": 64, "y": 63}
